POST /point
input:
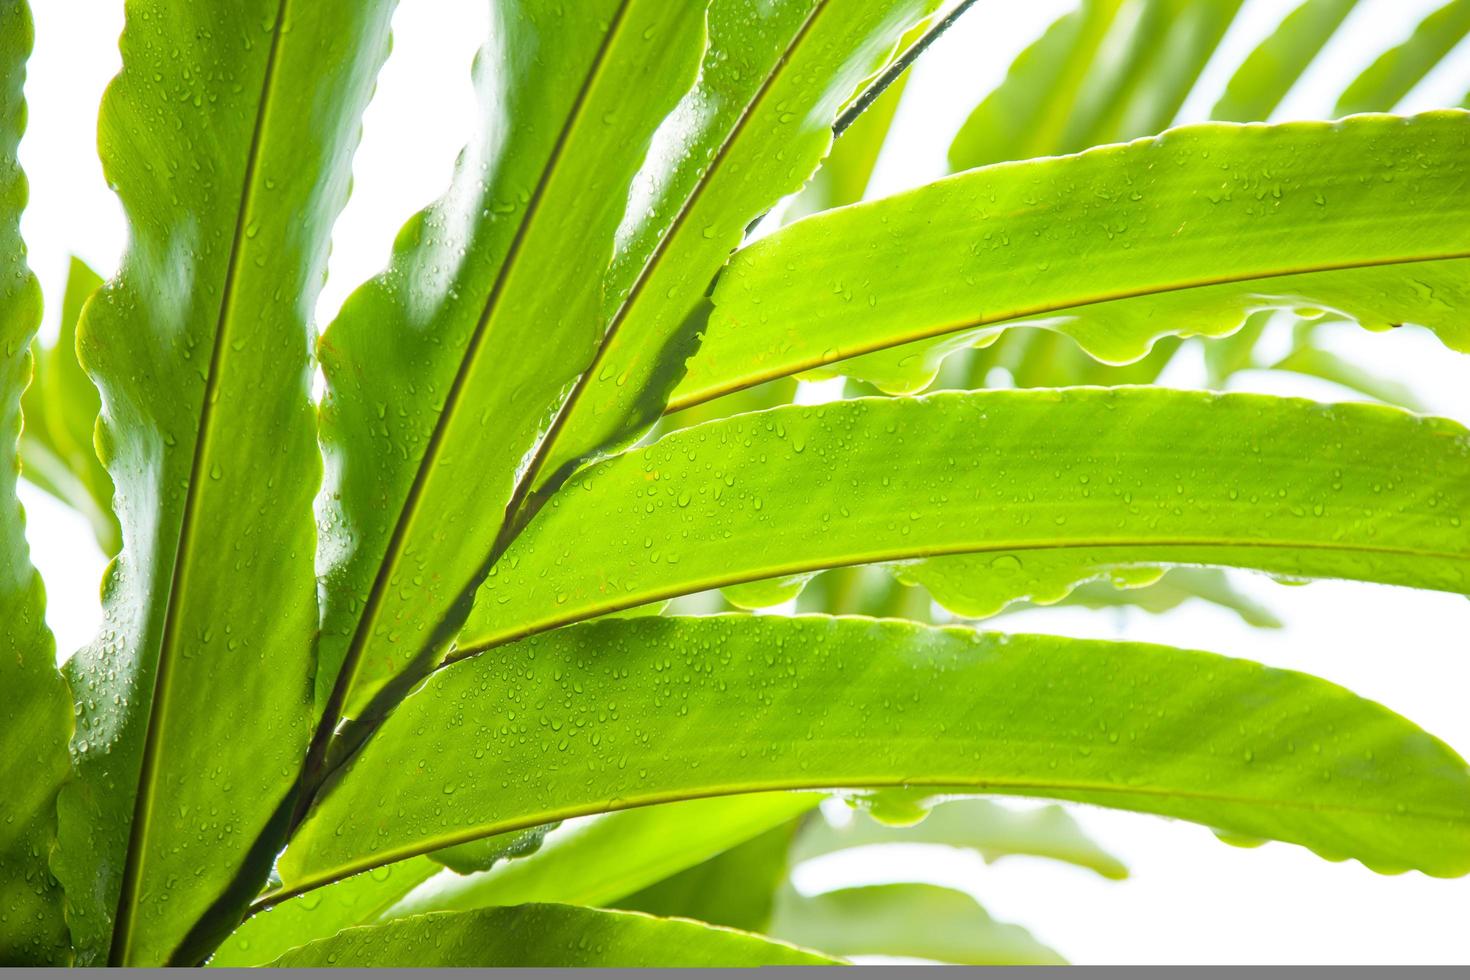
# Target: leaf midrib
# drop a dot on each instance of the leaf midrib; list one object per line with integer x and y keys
{"x": 407, "y": 514}
{"x": 650, "y": 268}
{"x": 1018, "y": 786}
{"x": 892, "y": 340}
{"x": 148, "y": 773}
{"x": 689, "y": 587}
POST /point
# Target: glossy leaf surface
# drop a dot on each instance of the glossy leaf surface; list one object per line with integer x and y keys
{"x": 443, "y": 372}
{"x": 318, "y": 914}
{"x": 613, "y": 856}
{"x": 774, "y": 82}
{"x": 989, "y": 497}
{"x": 1184, "y": 234}
{"x": 545, "y": 936}
{"x": 626, "y": 708}
{"x": 228, "y": 137}
{"x": 36, "y": 720}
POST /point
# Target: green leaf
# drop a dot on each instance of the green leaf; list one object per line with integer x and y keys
{"x": 990, "y": 829}
{"x": 1318, "y": 363}
{"x": 844, "y": 175}
{"x": 324, "y": 912}
{"x": 606, "y": 859}
{"x": 545, "y": 936}
{"x": 1185, "y": 234}
{"x": 778, "y": 83}
{"x": 914, "y": 920}
{"x": 61, "y": 406}
{"x": 736, "y": 888}
{"x": 1400, "y": 68}
{"x": 627, "y": 708}
{"x": 993, "y": 496}
{"x": 443, "y": 371}
{"x": 1264, "y": 78}
{"x": 482, "y": 855}
{"x": 1175, "y": 587}
{"x": 779, "y": 392}
{"x": 228, "y": 136}
{"x": 1029, "y": 112}
{"x": 37, "y": 718}
{"x": 864, "y": 591}
{"x": 1096, "y": 77}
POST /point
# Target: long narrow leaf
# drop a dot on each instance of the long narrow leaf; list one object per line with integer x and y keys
{"x": 613, "y": 856}
{"x": 623, "y": 710}
{"x": 991, "y": 830}
{"x": 545, "y": 936}
{"x": 36, "y": 721}
{"x": 228, "y": 137}
{"x": 1380, "y": 87}
{"x": 436, "y": 393}
{"x": 322, "y": 913}
{"x": 61, "y": 407}
{"x": 1184, "y": 234}
{"x": 1002, "y": 495}
{"x": 1264, "y": 78}
{"x": 912, "y": 920}
{"x": 736, "y": 888}
{"x": 778, "y": 119}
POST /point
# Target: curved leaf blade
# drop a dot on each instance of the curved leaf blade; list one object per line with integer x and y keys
{"x": 1103, "y": 73}
{"x": 199, "y": 682}
{"x": 322, "y": 913}
{"x": 908, "y": 919}
{"x": 545, "y": 936}
{"x": 993, "y": 496}
{"x": 615, "y": 855}
{"x": 735, "y": 888}
{"x": 991, "y": 830}
{"x": 1399, "y": 69}
{"x": 1184, "y": 234}
{"x": 813, "y": 702}
{"x": 57, "y": 449}
{"x": 37, "y": 717}
{"x": 780, "y": 83}
{"x": 443, "y": 371}
{"x": 1269, "y": 72}
{"x": 1027, "y": 114}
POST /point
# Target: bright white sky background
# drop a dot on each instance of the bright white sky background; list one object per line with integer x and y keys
{"x": 1191, "y": 899}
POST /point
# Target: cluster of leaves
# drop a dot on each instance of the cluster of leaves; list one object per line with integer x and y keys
{"x": 361, "y": 656}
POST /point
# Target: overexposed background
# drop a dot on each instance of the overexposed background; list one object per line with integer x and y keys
{"x": 1191, "y": 898}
